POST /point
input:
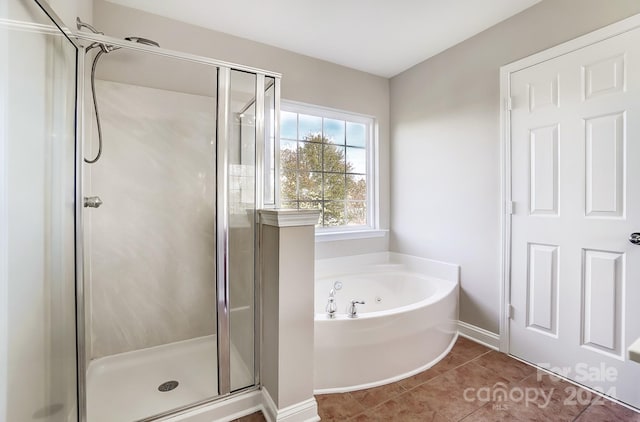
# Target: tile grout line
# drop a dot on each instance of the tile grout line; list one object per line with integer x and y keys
{"x": 471, "y": 413}
{"x": 379, "y": 404}
{"x": 364, "y": 408}
{"x": 581, "y": 412}
{"x": 459, "y": 366}
{"x": 427, "y": 381}
{"x": 445, "y": 372}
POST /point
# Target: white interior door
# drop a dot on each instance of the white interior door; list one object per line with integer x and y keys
{"x": 575, "y": 276}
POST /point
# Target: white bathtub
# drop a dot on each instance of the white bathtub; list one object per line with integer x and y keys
{"x": 407, "y": 324}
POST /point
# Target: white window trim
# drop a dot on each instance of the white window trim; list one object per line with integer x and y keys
{"x": 373, "y": 204}
{"x": 330, "y": 236}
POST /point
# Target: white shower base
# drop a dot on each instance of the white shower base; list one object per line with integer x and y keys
{"x": 124, "y": 387}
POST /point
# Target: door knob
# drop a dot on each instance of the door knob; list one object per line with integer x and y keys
{"x": 635, "y": 238}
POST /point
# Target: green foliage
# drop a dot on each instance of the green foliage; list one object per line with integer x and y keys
{"x": 316, "y": 176}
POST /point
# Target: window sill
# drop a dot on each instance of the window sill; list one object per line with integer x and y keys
{"x": 330, "y": 236}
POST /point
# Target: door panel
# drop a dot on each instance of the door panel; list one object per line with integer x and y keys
{"x": 602, "y": 313}
{"x": 542, "y": 298}
{"x": 544, "y": 170}
{"x": 575, "y": 278}
{"x": 605, "y": 158}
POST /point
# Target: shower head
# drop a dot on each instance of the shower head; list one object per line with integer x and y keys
{"x": 144, "y": 41}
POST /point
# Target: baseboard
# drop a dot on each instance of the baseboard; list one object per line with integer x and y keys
{"x": 305, "y": 411}
{"x": 480, "y": 335}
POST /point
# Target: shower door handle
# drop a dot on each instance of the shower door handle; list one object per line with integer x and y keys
{"x": 92, "y": 201}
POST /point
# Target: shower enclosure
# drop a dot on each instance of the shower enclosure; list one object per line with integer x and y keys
{"x": 152, "y": 230}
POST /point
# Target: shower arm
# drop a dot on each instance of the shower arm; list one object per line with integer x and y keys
{"x": 80, "y": 25}
{"x": 104, "y": 47}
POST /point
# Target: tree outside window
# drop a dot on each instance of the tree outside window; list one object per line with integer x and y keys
{"x": 323, "y": 164}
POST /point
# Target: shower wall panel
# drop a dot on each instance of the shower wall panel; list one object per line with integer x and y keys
{"x": 152, "y": 268}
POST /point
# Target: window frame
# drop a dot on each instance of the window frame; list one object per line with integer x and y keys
{"x": 371, "y": 150}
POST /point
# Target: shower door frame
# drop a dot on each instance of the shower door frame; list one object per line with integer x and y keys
{"x": 223, "y": 115}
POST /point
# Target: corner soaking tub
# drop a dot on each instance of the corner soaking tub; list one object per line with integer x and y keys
{"x": 407, "y": 324}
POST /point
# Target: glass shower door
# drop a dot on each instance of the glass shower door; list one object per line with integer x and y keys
{"x": 236, "y": 229}
{"x": 151, "y": 245}
{"x": 242, "y": 229}
{"x": 171, "y": 280}
{"x": 250, "y": 164}
{"x": 37, "y": 263}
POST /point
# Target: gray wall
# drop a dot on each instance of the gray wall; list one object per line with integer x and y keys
{"x": 445, "y": 154}
{"x": 305, "y": 79}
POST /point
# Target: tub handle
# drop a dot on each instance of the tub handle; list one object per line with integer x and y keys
{"x": 331, "y": 307}
{"x": 353, "y": 309}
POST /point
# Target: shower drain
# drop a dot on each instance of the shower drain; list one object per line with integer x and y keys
{"x": 167, "y": 386}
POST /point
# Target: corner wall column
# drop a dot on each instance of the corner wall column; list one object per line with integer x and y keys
{"x": 287, "y": 243}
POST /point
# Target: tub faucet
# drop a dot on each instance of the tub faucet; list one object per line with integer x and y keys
{"x": 353, "y": 310}
{"x": 331, "y": 307}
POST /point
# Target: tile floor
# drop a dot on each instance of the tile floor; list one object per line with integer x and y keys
{"x": 438, "y": 394}
{"x": 254, "y": 417}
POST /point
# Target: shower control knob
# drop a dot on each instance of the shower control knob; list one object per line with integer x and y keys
{"x": 92, "y": 201}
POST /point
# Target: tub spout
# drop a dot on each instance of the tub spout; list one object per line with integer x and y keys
{"x": 353, "y": 309}
{"x": 331, "y": 308}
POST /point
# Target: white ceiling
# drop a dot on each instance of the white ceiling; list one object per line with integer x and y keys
{"x": 383, "y": 37}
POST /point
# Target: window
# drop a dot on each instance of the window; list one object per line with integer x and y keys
{"x": 326, "y": 163}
